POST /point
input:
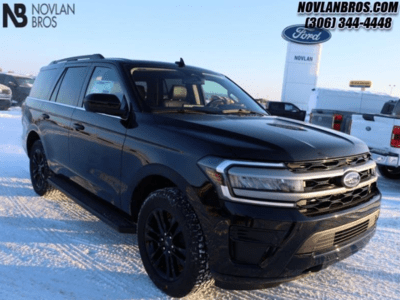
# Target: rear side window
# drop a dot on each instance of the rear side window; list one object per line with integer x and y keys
{"x": 44, "y": 84}
{"x": 275, "y": 105}
{"x": 71, "y": 86}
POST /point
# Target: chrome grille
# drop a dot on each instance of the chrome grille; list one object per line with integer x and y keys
{"x": 319, "y": 184}
{"x": 333, "y": 203}
{"x": 328, "y": 164}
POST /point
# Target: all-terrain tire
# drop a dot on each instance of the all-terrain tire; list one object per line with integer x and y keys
{"x": 169, "y": 233}
{"x": 389, "y": 172}
{"x": 40, "y": 172}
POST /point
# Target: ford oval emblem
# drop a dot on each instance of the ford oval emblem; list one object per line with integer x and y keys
{"x": 351, "y": 179}
{"x": 302, "y": 35}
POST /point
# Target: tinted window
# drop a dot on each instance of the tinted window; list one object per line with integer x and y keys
{"x": 2, "y": 78}
{"x": 289, "y": 107}
{"x": 275, "y": 105}
{"x": 44, "y": 84}
{"x": 55, "y": 91}
{"x": 105, "y": 81}
{"x": 71, "y": 86}
{"x": 24, "y": 81}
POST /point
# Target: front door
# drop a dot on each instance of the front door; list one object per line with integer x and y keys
{"x": 96, "y": 141}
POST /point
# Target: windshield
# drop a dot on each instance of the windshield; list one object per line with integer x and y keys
{"x": 169, "y": 90}
{"x": 25, "y": 81}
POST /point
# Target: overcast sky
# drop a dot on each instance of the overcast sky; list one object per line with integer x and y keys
{"x": 241, "y": 39}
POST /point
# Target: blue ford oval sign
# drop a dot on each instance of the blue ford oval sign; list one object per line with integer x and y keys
{"x": 302, "y": 35}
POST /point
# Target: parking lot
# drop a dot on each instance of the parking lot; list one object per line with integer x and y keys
{"x": 54, "y": 249}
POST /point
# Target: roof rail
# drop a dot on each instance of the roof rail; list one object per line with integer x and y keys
{"x": 74, "y": 58}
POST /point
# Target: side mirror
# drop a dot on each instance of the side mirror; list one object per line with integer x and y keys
{"x": 10, "y": 83}
{"x": 104, "y": 103}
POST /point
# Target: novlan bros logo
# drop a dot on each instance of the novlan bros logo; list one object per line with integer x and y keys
{"x": 19, "y": 12}
{"x": 43, "y": 15}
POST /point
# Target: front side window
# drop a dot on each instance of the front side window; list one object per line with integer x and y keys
{"x": 105, "y": 81}
{"x": 171, "y": 89}
{"x": 24, "y": 81}
{"x": 290, "y": 107}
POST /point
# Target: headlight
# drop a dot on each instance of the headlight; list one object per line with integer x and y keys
{"x": 209, "y": 165}
{"x": 248, "y": 177}
{"x": 270, "y": 184}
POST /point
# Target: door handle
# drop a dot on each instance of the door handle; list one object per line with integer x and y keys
{"x": 45, "y": 116}
{"x": 78, "y": 127}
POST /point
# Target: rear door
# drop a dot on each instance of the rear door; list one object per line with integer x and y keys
{"x": 97, "y": 139}
{"x": 55, "y": 118}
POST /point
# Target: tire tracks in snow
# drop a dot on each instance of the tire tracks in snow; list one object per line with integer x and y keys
{"x": 77, "y": 255}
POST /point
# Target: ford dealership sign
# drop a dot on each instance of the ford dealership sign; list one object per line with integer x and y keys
{"x": 302, "y": 35}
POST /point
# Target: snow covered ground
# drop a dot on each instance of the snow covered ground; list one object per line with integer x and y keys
{"x": 54, "y": 249}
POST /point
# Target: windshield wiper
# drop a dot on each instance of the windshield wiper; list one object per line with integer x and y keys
{"x": 242, "y": 111}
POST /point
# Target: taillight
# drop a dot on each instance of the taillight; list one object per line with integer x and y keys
{"x": 337, "y": 122}
{"x": 395, "y": 141}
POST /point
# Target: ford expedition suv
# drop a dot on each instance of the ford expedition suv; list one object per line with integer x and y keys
{"x": 216, "y": 189}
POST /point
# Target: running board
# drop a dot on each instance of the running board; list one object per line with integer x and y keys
{"x": 105, "y": 211}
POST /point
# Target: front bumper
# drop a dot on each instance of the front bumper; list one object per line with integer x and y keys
{"x": 254, "y": 247}
{"x": 5, "y": 102}
{"x": 309, "y": 263}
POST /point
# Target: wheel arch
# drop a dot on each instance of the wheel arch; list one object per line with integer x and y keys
{"x": 32, "y": 137}
{"x": 152, "y": 178}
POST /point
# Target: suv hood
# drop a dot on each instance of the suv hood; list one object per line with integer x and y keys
{"x": 266, "y": 138}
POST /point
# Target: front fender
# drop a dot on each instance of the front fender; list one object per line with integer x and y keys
{"x": 154, "y": 170}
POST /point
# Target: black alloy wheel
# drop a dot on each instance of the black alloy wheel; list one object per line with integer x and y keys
{"x": 39, "y": 170}
{"x": 165, "y": 244}
{"x": 172, "y": 244}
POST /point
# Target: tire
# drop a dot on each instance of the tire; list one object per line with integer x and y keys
{"x": 172, "y": 244}
{"x": 39, "y": 171}
{"x": 389, "y": 172}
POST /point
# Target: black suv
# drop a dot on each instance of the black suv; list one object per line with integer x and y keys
{"x": 19, "y": 84}
{"x": 218, "y": 189}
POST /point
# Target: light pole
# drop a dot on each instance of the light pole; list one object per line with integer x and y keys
{"x": 391, "y": 88}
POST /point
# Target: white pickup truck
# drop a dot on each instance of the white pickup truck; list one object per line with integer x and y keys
{"x": 381, "y": 132}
